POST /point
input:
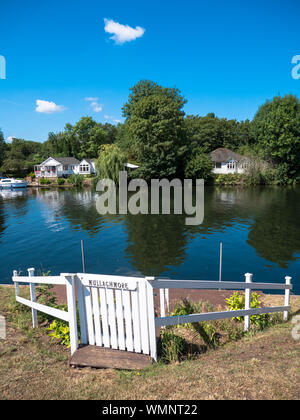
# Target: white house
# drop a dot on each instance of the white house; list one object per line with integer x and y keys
{"x": 63, "y": 167}
{"x": 228, "y": 162}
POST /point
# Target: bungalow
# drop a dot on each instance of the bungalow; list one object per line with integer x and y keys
{"x": 63, "y": 167}
{"x": 228, "y": 162}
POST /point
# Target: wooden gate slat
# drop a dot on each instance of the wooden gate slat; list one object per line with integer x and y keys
{"x": 104, "y": 318}
{"x": 120, "y": 320}
{"x": 89, "y": 315}
{"x": 143, "y": 317}
{"x": 128, "y": 319}
{"x": 96, "y": 310}
{"x": 112, "y": 318}
{"x": 136, "y": 321}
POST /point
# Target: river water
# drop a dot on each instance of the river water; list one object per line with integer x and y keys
{"x": 259, "y": 228}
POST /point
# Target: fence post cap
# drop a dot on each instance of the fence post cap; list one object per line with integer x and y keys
{"x": 15, "y": 273}
{"x": 248, "y": 277}
{"x": 288, "y": 279}
{"x": 149, "y": 278}
{"x": 31, "y": 270}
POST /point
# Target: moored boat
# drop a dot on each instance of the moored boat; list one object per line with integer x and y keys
{"x": 12, "y": 183}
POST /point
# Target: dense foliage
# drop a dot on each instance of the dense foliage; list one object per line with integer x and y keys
{"x": 164, "y": 142}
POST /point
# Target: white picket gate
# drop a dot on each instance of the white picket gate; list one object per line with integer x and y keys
{"x": 117, "y": 312}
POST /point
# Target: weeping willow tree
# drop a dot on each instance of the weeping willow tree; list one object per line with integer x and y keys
{"x": 110, "y": 162}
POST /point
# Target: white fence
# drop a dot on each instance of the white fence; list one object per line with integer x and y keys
{"x": 224, "y": 285}
{"x": 118, "y": 312}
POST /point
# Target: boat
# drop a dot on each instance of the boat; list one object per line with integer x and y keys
{"x": 12, "y": 183}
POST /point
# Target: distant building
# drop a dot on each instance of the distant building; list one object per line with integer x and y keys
{"x": 228, "y": 162}
{"x": 63, "y": 167}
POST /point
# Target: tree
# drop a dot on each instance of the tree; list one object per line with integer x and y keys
{"x": 276, "y": 126}
{"x": 110, "y": 162}
{"x": 2, "y": 148}
{"x": 199, "y": 166}
{"x": 146, "y": 88}
{"x": 155, "y": 129}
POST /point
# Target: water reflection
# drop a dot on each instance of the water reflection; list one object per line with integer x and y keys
{"x": 158, "y": 243}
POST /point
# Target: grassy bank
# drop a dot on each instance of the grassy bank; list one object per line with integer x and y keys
{"x": 264, "y": 365}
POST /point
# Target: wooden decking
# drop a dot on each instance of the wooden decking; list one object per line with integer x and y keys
{"x": 101, "y": 357}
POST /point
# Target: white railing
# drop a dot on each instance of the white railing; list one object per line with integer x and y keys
{"x": 69, "y": 316}
{"x": 118, "y": 311}
{"x": 164, "y": 285}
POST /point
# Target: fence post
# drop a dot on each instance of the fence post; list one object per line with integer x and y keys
{"x": 151, "y": 317}
{"x": 15, "y": 274}
{"x": 162, "y": 302}
{"x": 287, "y": 297}
{"x": 33, "y": 298}
{"x": 70, "y": 286}
{"x": 248, "y": 278}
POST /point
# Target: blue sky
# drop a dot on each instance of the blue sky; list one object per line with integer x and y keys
{"x": 226, "y": 57}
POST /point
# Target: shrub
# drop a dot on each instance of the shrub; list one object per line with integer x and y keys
{"x": 60, "y": 330}
{"x": 76, "y": 180}
{"x": 173, "y": 346}
{"x": 60, "y": 181}
{"x": 45, "y": 181}
{"x": 237, "y": 301}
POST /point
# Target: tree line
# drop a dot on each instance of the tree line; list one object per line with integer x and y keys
{"x": 158, "y": 136}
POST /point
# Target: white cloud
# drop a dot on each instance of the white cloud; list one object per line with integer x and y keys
{"x": 122, "y": 33}
{"x": 47, "y": 107}
{"x": 9, "y": 139}
{"x": 113, "y": 119}
{"x": 91, "y": 99}
{"x": 96, "y": 107}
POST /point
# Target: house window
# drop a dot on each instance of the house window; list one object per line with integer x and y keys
{"x": 231, "y": 165}
{"x": 218, "y": 165}
{"x": 65, "y": 167}
{"x": 84, "y": 168}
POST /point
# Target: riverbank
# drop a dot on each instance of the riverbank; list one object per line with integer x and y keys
{"x": 265, "y": 365}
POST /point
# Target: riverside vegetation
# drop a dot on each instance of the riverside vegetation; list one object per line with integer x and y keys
{"x": 164, "y": 142}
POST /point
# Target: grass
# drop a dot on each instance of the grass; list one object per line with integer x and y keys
{"x": 264, "y": 365}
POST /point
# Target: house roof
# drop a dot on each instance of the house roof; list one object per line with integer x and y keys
{"x": 223, "y": 155}
{"x": 67, "y": 160}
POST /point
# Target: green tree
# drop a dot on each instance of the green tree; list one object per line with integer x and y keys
{"x": 199, "y": 166}
{"x": 155, "y": 129}
{"x": 110, "y": 162}
{"x": 276, "y": 127}
{"x": 2, "y": 148}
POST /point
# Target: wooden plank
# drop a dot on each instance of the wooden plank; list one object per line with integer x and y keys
{"x": 70, "y": 285}
{"x": 112, "y": 318}
{"x": 120, "y": 320}
{"x": 89, "y": 315}
{"x": 82, "y": 313}
{"x": 40, "y": 279}
{"x": 128, "y": 319}
{"x": 208, "y": 284}
{"x": 101, "y": 357}
{"x": 136, "y": 322}
{"x": 57, "y": 313}
{"x": 151, "y": 320}
{"x": 208, "y": 316}
{"x": 144, "y": 317}
{"x": 96, "y": 311}
{"x": 104, "y": 317}
{"x": 114, "y": 282}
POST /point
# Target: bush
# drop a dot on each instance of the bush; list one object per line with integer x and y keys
{"x": 60, "y": 181}
{"x": 45, "y": 181}
{"x": 173, "y": 347}
{"x": 76, "y": 180}
{"x": 237, "y": 302}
